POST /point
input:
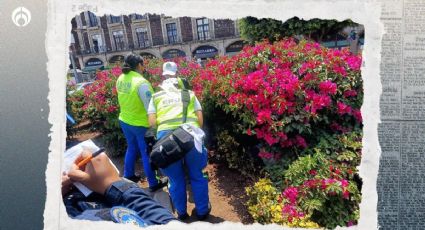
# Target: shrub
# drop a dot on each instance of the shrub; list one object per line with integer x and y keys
{"x": 74, "y": 104}
{"x": 322, "y": 186}
{"x": 98, "y": 104}
{"x": 285, "y": 94}
{"x": 265, "y": 206}
{"x": 237, "y": 156}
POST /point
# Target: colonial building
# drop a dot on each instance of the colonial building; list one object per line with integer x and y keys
{"x": 104, "y": 40}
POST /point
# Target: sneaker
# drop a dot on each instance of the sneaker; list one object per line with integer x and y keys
{"x": 133, "y": 178}
{"x": 204, "y": 216}
{"x": 162, "y": 183}
{"x": 183, "y": 217}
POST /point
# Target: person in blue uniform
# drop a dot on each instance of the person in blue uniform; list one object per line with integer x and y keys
{"x": 134, "y": 93}
{"x": 114, "y": 198}
{"x": 165, "y": 114}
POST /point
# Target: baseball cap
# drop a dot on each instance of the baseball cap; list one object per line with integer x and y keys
{"x": 169, "y": 68}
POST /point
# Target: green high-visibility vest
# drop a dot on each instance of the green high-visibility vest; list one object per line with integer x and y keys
{"x": 169, "y": 110}
{"x": 132, "y": 110}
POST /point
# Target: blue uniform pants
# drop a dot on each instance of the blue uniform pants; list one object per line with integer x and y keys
{"x": 195, "y": 162}
{"x": 135, "y": 136}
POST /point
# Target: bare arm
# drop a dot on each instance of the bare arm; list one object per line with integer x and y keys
{"x": 152, "y": 120}
{"x": 198, "y": 112}
{"x": 66, "y": 184}
{"x": 200, "y": 118}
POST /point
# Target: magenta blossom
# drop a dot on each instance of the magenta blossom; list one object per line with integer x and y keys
{"x": 343, "y": 108}
{"x": 328, "y": 87}
{"x": 291, "y": 193}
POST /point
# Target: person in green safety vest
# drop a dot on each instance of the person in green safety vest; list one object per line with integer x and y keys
{"x": 134, "y": 93}
{"x": 166, "y": 114}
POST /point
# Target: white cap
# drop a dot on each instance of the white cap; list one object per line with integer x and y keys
{"x": 169, "y": 68}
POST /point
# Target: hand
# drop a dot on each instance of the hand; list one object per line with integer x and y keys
{"x": 66, "y": 184}
{"x": 97, "y": 175}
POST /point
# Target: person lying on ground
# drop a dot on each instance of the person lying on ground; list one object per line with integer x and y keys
{"x": 110, "y": 191}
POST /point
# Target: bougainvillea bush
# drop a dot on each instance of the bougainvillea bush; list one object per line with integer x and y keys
{"x": 98, "y": 104}
{"x": 321, "y": 188}
{"x": 294, "y": 98}
{"x": 287, "y": 93}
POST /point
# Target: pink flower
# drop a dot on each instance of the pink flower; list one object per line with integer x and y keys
{"x": 350, "y": 93}
{"x": 249, "y": 132}
{"x": 354, "y": 62}
{"x": 116, "y": 71}
{"x": 327, "y": 87}
{"x": 309, "y": 77}
{"x": 291, "y": 193}
{"x": 112, "y": 108}
{"x": 323, "y": 185}
{"x": 270, "y": 139}
{"x": 345, "y": 194}
{"x": 264, "y": 116}
{"x": 358, "y": 115}
{"x": 322, "y": 101}
{"x": 301, "y": 141}
{"x": 340, "y": 70}
{"x": 265, "y": 155}
{"x": 311, "y": 183}
{"x": 343, "y": 108}
{"x": 344, "y": 183}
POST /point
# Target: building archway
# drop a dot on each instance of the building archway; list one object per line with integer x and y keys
{"x": 173, "y": 53}
{"x": 147, "y": 55}
{"x": 205, "y": 51}
{"x": 116, "y": 59}
{"x": 235, "y": 47}
{"x": 93, "y": 64}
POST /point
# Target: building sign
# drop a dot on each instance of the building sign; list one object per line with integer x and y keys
{"x": 235, "y": 47}
{"x": 94, "y": 62}
{"x": 172, "y": 53}
{"x": 117, "y": 59}
{"x": 205, "y": 52}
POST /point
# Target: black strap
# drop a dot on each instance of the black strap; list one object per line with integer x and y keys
{"x": 185, "y": 100}
{"x": 185, "y": 83}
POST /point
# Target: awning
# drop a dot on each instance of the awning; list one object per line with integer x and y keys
{"x": 206, "y": 55}
{"x": 93, "y": 68}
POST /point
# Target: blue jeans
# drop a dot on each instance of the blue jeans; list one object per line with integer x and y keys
{"x": 194, "y": 161}
{"x": 135, "y": 136}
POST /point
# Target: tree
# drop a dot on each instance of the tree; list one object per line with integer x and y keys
{"x": 253, "y": 29}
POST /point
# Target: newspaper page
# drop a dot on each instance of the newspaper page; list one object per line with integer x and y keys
{"x": 401, "y": 184}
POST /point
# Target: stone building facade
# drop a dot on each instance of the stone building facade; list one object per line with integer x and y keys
{"x": 104, "y": 40}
